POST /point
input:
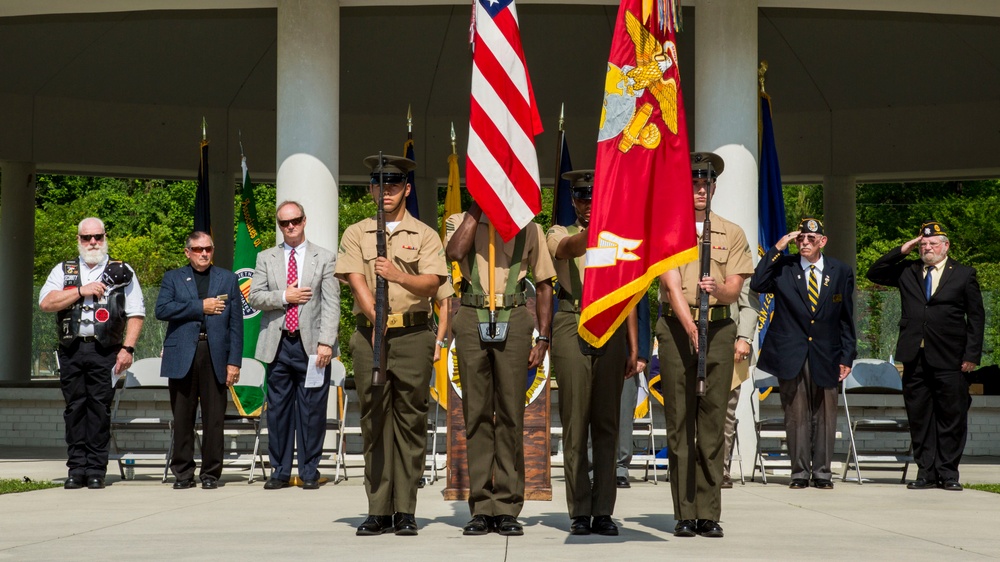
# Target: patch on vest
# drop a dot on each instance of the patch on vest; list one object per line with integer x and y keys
{"x": 102, "y": 315}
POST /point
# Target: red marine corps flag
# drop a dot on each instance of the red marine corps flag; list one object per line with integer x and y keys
{"x": 642, "y": 218}
{"x": 501, "y": 169}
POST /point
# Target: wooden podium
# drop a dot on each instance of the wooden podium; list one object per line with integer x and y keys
{"x": 537, "y": 449}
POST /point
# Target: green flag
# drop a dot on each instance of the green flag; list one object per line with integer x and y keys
{"x": 248, "y": 244}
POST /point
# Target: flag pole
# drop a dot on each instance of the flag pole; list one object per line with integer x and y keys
{"x": 560, "y": 138}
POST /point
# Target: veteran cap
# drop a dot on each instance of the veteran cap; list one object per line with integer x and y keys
{"x": 700, "y": 162}
{"x": 811, "y": 225}
{"x": 581, "y": 183}
{"x": 932, "y": 228}
{"x": 394, "y": 168}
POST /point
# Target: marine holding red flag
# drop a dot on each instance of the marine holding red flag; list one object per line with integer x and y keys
{"x": 641, "y": 221}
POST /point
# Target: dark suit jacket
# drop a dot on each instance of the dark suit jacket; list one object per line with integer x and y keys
{"x": 179, "y": 305}
{"x": 825, "y": 338}
{"x": 950, "y": 324}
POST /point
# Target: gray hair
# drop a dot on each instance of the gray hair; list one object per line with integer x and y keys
{"x": 79, "y": 227}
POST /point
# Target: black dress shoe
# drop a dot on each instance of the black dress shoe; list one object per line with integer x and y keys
{"x": 405, "y": 524}
{"x": 952, "y": 485}
{"x": 375, "y": 525}
{"x": 508, "y": 526}
{"x": 798, "y": 484}
{"x": 95, "y": 483}
{"x": 921, "y": 484}
{"x": 310, "y": 484}
{"x": 184, "y": 484}
{"x": 709, "y": 528}
{"x": 823, "y": 484}
{"x": 580, "y": 525}
{"x": 685, "y": 528}
{"x": 209, "y": 483}
{"x": 275, "y": 484}
{"x": 73, "y": 483}
{"x": 622, "y": 482}
{"x": 479, "y": 525}
{"x": 727, "y": 483}
{"x": 603, "y": 525}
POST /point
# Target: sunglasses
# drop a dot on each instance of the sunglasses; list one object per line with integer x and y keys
{"x": 812, "y": 239}
{"x": 201, "y": 249}
{"x": 89, "y": 237}
{"x": 291, "y": 222}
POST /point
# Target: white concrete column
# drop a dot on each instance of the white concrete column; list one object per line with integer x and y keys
{"x": 726, "y": 106}
{"x": 17, "y": 254}
{"x": 840, "y": 218}
{"x": 726, "y": 103}
{"x": 222, "y": 196}
{"x": 308, "y": 113}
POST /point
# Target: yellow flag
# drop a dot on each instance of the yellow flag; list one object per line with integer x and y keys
{"x": 452, "y": 205}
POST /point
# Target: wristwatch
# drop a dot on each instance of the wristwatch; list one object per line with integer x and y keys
{"x": 443, "y": 344}
{"x": 544, "y": 339}
{"x": 129, "y": 349}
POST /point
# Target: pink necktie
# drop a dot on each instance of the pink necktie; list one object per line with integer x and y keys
{"x": 292, "y": 314}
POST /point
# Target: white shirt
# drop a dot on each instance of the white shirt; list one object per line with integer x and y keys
{"x": 819, "y": 271}
{"x": 134, "y": 306}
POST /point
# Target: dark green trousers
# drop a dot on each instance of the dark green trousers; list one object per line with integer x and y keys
{"x": 696, "y": 425}
{"x": 590, "y": 389}
{"x": 493, "y": 378}
{"x": 394, "y": 416}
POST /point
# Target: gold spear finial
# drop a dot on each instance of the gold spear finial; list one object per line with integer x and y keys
{"x": 761, "y": 71}
{"x": 453, "y": 150}
{"x": 204, "y": 129}
{"x": 409, "y": 118}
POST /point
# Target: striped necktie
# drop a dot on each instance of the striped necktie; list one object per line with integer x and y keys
{"x": 813, "y": 288}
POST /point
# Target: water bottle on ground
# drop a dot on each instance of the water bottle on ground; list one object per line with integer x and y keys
{"x": 129, "y": 469}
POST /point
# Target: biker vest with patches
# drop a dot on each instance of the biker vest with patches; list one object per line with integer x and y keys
{"x": 109, "y": 311}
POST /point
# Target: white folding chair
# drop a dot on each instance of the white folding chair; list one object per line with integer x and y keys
{"x": 645, "y": 427}
{"x": 144, "y": 375}
{"x": 767, "y": 428}
{"x": 336, "y": 410}
{"x": 874, "y": 376}
{"x": 251, "y": 375}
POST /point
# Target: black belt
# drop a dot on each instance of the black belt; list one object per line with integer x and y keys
{"x": 511, "y": 300}
{"x": 401, "y": 320}
{"x": 88, "y": 339}
{"x": 715, "y": 313}
{"x": 291, "y": 333}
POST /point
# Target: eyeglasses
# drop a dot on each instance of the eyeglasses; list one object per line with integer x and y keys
{"x": 291, "y": 222}
{"x": 89, "y": 237}
{"x": 930, "y": 244}
{"x": 201, "y": 249}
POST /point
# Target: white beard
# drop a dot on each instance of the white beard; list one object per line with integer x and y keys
{"x": 93, "y": 257}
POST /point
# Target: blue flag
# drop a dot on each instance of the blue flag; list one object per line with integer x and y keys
{"x": 771, "y": 206}
{"x": 411, "y": 199}
{"x": 563, "y": 212}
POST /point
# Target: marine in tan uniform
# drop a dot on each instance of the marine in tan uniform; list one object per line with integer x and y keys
{"x": 394, "y": 416}
{"x": 492, "y": 374}
{"x": 695, "y": 425}
{"x": 590, "y": 379}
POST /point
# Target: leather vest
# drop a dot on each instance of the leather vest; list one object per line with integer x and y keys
{"x": 109, "y": 312}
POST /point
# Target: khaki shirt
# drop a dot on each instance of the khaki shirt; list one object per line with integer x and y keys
{"x": 730, "y": 256}
{"x": 535, "y": 255}
{"x": 413, "y": 247}
{"x": 564, "y": 273}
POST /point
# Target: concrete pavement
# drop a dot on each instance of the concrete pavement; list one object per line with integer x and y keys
{"x": 143, "y": 519}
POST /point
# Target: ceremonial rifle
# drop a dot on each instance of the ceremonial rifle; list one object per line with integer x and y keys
{"x": 381, "y": 287}
{"x": 706, "y": 264}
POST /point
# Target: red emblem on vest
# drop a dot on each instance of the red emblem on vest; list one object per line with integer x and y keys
{"x": 102, "y": 315}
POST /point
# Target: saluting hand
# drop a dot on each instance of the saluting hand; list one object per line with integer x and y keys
{"x": 910, "y": 245}
{"x": 780, "y": 245}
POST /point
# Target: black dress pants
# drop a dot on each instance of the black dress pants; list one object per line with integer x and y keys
{"x": 199, "y": 385}
{"x": 85, "y": 377}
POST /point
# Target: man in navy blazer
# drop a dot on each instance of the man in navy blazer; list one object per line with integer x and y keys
{"x": 202, "y": 355}
{"x": 940, "y": 339}
{"x": 810, "y": 345}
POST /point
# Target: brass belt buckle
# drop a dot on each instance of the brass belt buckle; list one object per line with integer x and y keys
{"x": 394, "y": 321}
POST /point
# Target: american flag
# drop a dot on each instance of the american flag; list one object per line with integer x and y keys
{"x": 502, "y": 166}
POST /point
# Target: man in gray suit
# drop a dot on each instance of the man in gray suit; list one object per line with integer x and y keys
{"x": 202, "y": 355}
{"x": 299, "y": 299}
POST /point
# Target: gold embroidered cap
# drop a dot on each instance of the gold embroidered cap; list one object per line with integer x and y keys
{"x": 932, "y": 228}
{"x": 811, "y": 225}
